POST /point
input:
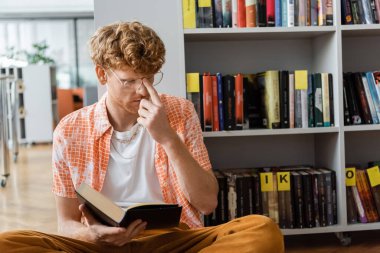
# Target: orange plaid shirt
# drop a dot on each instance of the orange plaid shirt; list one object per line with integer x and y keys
{"x": 81, "y": 150}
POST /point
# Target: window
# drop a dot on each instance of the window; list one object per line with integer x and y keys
{"x": 67, "y": 41}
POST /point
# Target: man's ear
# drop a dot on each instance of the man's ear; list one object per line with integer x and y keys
{"x": 101, "y": 74}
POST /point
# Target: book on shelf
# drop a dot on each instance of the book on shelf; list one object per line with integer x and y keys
{"x": 366, "y": 195}
{"x": 270, "y": 99}
{"x": 157, "y": 215}
{"x": 265, "y": 13}
{"x": 373, "y": 174}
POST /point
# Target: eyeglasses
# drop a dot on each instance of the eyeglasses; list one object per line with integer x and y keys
{"x": 152, "y": 80}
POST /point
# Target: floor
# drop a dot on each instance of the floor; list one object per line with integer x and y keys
{"x": 27, "y": 203}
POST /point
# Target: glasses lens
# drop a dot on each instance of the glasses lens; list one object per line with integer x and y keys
{"x": 157, "y": 78}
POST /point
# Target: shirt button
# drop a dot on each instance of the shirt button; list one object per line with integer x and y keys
{"x": 165, "y": 184}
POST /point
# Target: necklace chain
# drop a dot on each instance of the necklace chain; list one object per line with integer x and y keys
{"x": 129, "y": 140}
{"x": 125, "y": 142}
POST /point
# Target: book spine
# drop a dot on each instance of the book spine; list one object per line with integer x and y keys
{"x": 207, "y": 102}
{"x": 189, "y": 15}
{"x": 325, "y": 100}
{"x": 310, "y": 95}
{"x": 234, "y": 13}
{"x": 374, "y": 94}
{"x": 250, "y": 8}
{"x": 277, "y": 16}
{"x": 220, "y": 101}
{"x": 347, "y": 119}
{"x": 284, "y": 13}
{"x": 370, "y": 101}
{"x": 239, "y": 113}
{"x": 359, "y": 205}
{"x": 351, "y": 209}
{"x": 227, "y": 13}
{"x": 215, "y": 111}
{"x": 241, "y": 13}
{"x": 270, "y": 12}
{"x": 329, "y": 13}
{"x": 290, "y": 16}
{"x": 291, "y": 100}
{"x": 284, "y": 99}
{"x": 331, "y": 100}
{"x": 360, "y": 92}
{"x": 218, "y": 13}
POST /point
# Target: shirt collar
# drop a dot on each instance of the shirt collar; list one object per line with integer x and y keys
{"x": 102, "y": 124}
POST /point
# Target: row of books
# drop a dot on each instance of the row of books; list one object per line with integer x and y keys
{"x": 272, "y": 99}
{"x": 361, "y": 98}
{"x": 256, "y": 13}
{"x": 360, "y": 11}
{"x": 294, "y": 197}
{"x": 363, "y": 194}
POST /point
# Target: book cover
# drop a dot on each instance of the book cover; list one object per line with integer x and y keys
{"x": 220, "y": 101}
{"x": 189, "y": 15}
{"x": 193, "y": 92}
{"x": 284, "y": 99}
{"x": 215, "y": 104}
{"x": 250, "y": 13}
{"x": 346, "y": 12}
{"x": 346, "y": 111}
{"x": 229, "y": 102}
{"x": 239, "y": 108}
{"x": 366, "y": 195}
{"x": 291, "y": 100}
{"x": 218, "y": 13}
{"x": 325, "y": 99}
{"x": 227, "y": 13}
{"x": 270, "y": 85}
{"x": 331, "y": 100}
{"x": 353, "y": 105}
{"x": 375, "y": 119}
{"x": 157, "y": 215}
{"x": 373, "y": 174}
{"x": 318, "y": 100}
{"x": 362, "y": 98}
{"x": 207, "y": 102}
{"x": 241, "y": 13}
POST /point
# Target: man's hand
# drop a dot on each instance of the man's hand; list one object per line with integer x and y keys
{"x": 111, "y": 236}
{"x": 153, "y": 117}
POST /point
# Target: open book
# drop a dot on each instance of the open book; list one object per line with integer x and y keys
{"x": 157, "y": 215}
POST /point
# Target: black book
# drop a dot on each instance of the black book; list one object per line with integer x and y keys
{"x": 262, "y": 13}
{"x": 284, "y": 99}
{"x": 331, "y": 102}
{"x": 308, "y": 199}
{"x": 346, "y": 111}
{"x": 362, "y": 98}
{"x": 157, "y": 215}
{"x": 352, "y": 102}
{"x": 229, "y": 102}
{"x": 310, "y": 101}
{"x": 297, "y": 191}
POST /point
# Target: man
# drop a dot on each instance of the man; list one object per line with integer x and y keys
{"x": 135, "y": 145}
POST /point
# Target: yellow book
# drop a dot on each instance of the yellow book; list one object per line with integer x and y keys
{"x": 189, "y": 14}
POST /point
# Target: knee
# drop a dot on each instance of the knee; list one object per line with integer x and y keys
{"x": 274, "y": 235}
{"x": 7, "y": 240}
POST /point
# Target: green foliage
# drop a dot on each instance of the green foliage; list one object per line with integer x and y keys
{"x": 38, "y": 54}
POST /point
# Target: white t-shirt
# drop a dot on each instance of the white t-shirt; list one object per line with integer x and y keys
{"x": 131, "y": 175}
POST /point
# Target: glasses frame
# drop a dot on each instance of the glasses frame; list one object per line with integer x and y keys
{"x": 126, "y": 85}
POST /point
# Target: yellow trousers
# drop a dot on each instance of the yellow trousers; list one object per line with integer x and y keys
{"x": 253, "y": 233}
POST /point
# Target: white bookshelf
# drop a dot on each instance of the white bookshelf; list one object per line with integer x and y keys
{"x": 332, "y": 49}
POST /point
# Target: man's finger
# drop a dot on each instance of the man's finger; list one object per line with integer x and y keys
{"x": 146, "y": 104}
{"x": 143, "y": 113}
{"x": 87, "y": 215}
{"x": 153, "y": 94}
